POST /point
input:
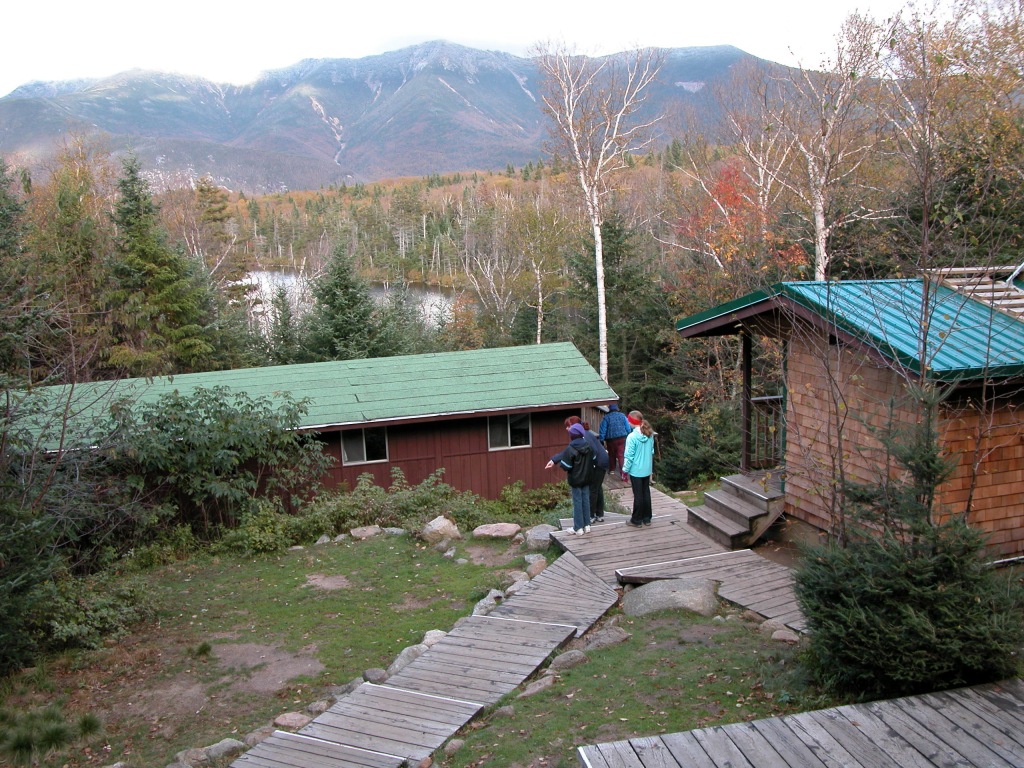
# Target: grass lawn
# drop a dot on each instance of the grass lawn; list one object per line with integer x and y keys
{"x": 238, "y": 641}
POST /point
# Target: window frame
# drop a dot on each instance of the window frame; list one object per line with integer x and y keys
{"x": 362, "y": 433}
{"x": 508, "y": 432}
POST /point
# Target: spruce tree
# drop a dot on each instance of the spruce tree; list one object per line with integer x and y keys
{"x": 159, "y": 303}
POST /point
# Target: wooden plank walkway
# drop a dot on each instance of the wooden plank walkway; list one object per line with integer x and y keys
{"x": 745, "y": 578}
{"x": 482, "y": 658}
{"x": 291, "y": 750}
{"x": 386, "y": 720}
{"x": 566, "y": 592}
{"x": 968, "y": 727}
{"x": 612, "y": 546}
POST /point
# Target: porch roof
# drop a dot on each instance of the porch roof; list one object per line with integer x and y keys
{"x": 963, "y": 339}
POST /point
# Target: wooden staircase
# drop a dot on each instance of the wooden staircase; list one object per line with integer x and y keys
{"x": 740, "y": 511}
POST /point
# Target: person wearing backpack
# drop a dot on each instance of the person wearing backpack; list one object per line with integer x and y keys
{"x": 597, "y": 472}
{"x": 577, "y": 460}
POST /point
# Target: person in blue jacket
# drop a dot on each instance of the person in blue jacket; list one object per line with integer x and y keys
{"x": 580, "y": 493}
{"x": 639, "y": 465}
{"x": 614, "y": 429}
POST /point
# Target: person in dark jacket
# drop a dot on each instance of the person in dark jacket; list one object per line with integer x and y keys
{"x": 601, "y": 467}
{"x": 614, "y": 430}
{"x": 577, "y": 450}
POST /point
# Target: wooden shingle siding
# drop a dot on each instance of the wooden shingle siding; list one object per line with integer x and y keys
{"x": 995, "y": 493}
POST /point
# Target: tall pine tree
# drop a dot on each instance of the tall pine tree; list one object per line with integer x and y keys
{"x": 158, "y": 304}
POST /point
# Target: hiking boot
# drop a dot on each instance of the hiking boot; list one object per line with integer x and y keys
{"x": 634, "y": 525}
{"x": 648, "y": 523}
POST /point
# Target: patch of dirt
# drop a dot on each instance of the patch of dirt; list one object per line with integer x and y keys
{"x": 699, "y": 633}
{"x": 485, "y": 554}
{"x": 264, "y": 669}
{"x": 325, "y": 582}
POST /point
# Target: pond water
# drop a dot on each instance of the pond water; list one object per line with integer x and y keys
{"x": 435, "y": 303}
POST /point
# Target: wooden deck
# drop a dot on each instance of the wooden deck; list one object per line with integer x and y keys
{"x": 968, "y": 727}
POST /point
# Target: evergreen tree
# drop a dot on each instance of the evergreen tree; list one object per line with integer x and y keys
{"x": 341, "y": 323}
{"x": 159, "y": 304}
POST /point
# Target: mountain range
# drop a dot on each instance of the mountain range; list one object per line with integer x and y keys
{"x": 433, "y": 108}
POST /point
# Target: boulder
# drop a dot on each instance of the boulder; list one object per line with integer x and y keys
{"x": 406, "y": 657}
{"x": 433, "y": 637}
{"x": 537, "y": 686}
{"x": 292, "y": 721}
{"x": 605, "y": 637}
{"x": 365, "y": 532}
{"x": 696, "y": 595}
{"x": 536, "y": 567}
{"x": 568, "y": 660}
{"x": 786, "y": 636}
{"x": 255, "y": 737}
{"x": 440, "y": 529}
{"x": 375, "y": 675}
{"x": 225, "y": 748}
{"x": 485, "y": 606}
{"x": 538, "y": 538}
{"x": 496, "y": 531}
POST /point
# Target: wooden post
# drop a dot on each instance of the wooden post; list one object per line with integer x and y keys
{"x": 747, "y": 394}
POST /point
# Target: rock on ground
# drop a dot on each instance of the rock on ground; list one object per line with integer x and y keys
{"x": 696, "y": 595}
{"x": 440, "y": 529}
{"x": 496, "y": 531}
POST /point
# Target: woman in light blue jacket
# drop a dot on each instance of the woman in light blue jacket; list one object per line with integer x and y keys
{"x": 639, "y": 465}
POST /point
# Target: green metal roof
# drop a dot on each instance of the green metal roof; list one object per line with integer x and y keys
{"x": 966, "y": 338}
{"x": 408, "y": 388}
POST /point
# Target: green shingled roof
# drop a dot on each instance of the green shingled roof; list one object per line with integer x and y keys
{"x": 967, "y": 339}
{"x": 404, "y": 388}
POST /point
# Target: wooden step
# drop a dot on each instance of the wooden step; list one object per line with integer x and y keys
{"x": 754, "y": 492}
{"x": 717, "y": 527}
{"x": 734, "y": 507}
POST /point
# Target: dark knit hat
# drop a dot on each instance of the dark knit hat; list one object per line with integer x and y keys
{"x": 613, "y": 407}
{"x": 577, "y": 430}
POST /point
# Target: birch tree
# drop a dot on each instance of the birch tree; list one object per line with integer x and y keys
{"x": 593, "y": 105}
{"x": 812, "y": 133}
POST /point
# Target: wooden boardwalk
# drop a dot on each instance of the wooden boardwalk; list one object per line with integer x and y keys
{"x": 611, "y": 546}
{"x": 745, "y": 578}
{"x": 968, "y": 727}
{"x": 566, "y": 592}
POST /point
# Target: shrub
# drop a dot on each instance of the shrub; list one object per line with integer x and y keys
{"x": 82, "y": 612}
{"x": 26, "y": 560}
{"x": 705, "y": 446}
{"x": 889, "y": 617}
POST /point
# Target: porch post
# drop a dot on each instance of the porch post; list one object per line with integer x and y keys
{"x": 747, "y": 394}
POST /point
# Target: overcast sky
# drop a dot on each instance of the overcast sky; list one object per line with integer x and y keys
{"x": 234, "y": 42}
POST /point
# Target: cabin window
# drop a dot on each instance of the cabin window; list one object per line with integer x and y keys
{"x": 361, "y": 446}
{"x": 508, "y": 431}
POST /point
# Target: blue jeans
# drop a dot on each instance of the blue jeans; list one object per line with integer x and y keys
{"x": 580, "y": 507}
